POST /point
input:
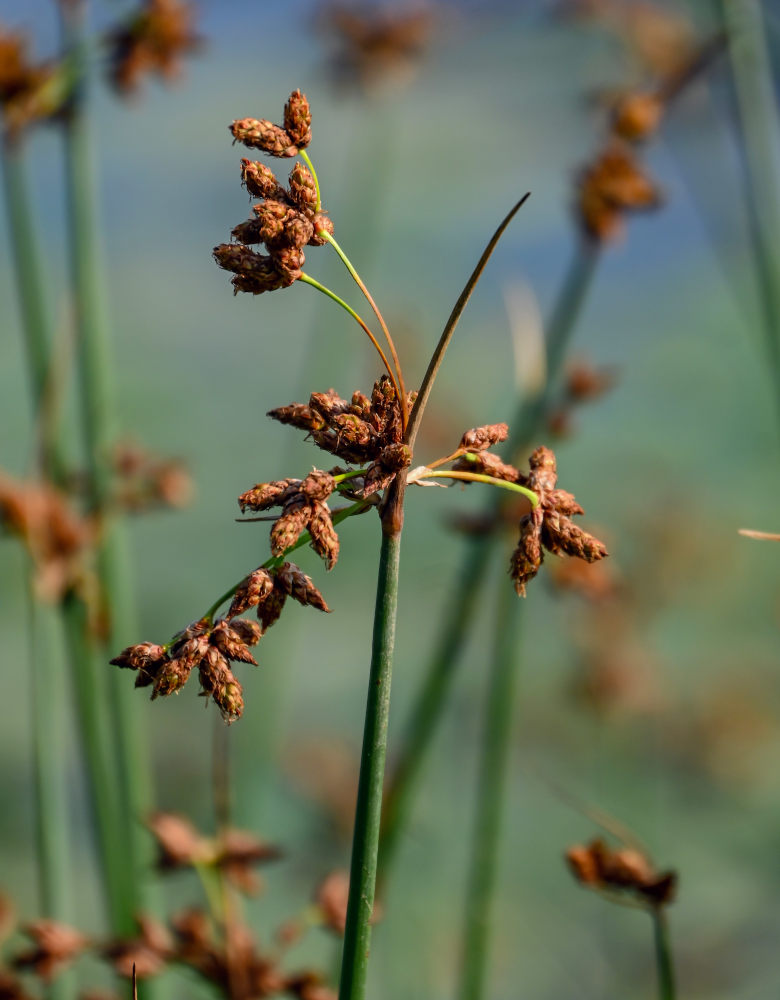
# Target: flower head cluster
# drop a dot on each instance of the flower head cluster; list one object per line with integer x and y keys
{"x": 625, "y": 870}
{"x": 152, "y": 41}
{"x": 29, "y": 92}
{"x": 210, "y": 646}
{"x": 549, "y": 525}
{"x": 286, "y": 220}
{"x": 609, "y": 187}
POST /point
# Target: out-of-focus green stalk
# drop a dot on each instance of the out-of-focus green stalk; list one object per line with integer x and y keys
{"x": 99, "y": 429}
{"x": 663, "y": 955}
{"x": 496, "y": 740}
{"x": 429, "y": 704}
{"x": 756, "y": 115}
{"x": 365, "y": 843}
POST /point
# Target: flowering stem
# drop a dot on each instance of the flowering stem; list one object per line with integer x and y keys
{"x": 663, "y": 955}
{"x": 390, "y": 343}
{"x": 332, "y": 295}
{"x": 365, "y": 843}
{"x": 305, "y": 157}
{"x": 478, "y": 477}
{"x": 490, "y": 795}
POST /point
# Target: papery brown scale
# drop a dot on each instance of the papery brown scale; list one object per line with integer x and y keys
{"x": 481, "y": 438}
{"x": 528, "y": 554}
{"x": 298, "y": 230}
{"x": 378, "y": 477}
{"x": 248, "y": 232}
{"x": 218, "y": 681}
{"x": 265, "y": 279}
{"x": 142, "y": 656}
{"x": 297, "y": 119}
{"x": 290, "y": 526}
{"x": 270, "y": 216}
{"x": 353, "y": 429}
{"x": 253, "y": 590}
{"x": 236, "y": 258}
{"x": 329, "y": 403}
{"x": 559, "y": 534}
{"x": 258, "y": 133}
{"x": 171, "y": 677}
{"x": 396, "y": 457}
{"x": 55, "y": 946}
{"x": 563, "y": 502}
{"x": 324, "y": 539}
{"x": 259, "y": 180}
{"x": 269, "y": 610}
{"x": 300, "y": 586}
{"x": 263, "y": 496}
{"x": 360, "y": 405}
{"x": 192, "y": 651}
{"x": 249, "y": 632}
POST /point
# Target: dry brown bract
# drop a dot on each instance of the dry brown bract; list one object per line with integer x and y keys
{"x": 29, "y": 92}
{"x": 625, "y": 870}
{"x": 154, "y": 40}
{"x": 549, "y": 526}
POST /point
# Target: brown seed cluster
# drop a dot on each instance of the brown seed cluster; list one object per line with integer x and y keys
{"x": 210, "y": 646}
{"x": 625, "y": 870}
{"x": 364, "y": 431}
{"x": 152, "y": 41}
{"x": 55, "y": 535}
{"x": 583, "y": 384}
{"x": 549, "y": 525}
{"x": 55, "y": 945}
{"x": 611, "y": 186}
{"x": 29, "y": 92}
{"x": 235, "y": 852}
{"x": 286, "y": 220}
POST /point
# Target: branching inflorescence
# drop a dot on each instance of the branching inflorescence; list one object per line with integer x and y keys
{"x": 370, "y": 434}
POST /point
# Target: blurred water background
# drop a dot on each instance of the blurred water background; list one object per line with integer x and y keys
{"x": 669, "y": 465}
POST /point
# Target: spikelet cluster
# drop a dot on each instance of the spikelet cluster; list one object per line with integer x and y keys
{"x": 625, "y": 869}
{"x": 152, "y": 41}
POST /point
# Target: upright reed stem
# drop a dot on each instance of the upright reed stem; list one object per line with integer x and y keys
{"x": 663, "y": 955}
{"x": 429, "y": 704}
{"x": 496, "y": 740}
{"x": 758, "y": 137}
{"x": 99, "y": 432}
{"x": 365, "y": 843}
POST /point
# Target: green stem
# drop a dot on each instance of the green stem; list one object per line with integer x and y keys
{"x": 479, "y": 477}
{"x": 348, "y": 309}
{"x": 496, "y": 741}
{"x": 305, "y": 157}
{"x": 99, "y": 424}
{"x": 429, "y": 704}
{"x": 756, "y": 119}
{"x": 663, "y": 955}
{"x": 365, "y": 844}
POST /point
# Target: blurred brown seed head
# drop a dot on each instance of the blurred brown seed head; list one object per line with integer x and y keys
{"x": 29, "y": 92}
{"x": 625, "y": 869}
{"x": 609, "y": 187}
{"x": 146, "y": 954}
{"x": 153, "y": 41}
{"x": 180, "y": 845}
{"x": 637, "y": 116}
{"x": 55, "y": 946}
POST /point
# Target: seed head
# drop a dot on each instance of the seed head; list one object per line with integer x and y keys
{"x": 229, "y": 642}
{"x": 290, "y": 526}
{"x": 482, "y": 438}
{"x": 321, "y": 223}
{"x": 302, "y": 189}
{"x": 324, "y": 539}
{"x": 257, "y": 133}
{"x": 266, "y": 495}
{"x": 299, "y": 586}
{"x": 253, "y": 590}
{"x": 637, "y": 116}
{"x": 259, "y": 180}
{"x": 297, "y": 119}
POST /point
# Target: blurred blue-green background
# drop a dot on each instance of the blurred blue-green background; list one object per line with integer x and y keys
{"x": 682, "y": 453}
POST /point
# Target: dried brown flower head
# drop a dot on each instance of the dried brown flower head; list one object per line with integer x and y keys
{"x": 55, "y": 946}
{"x": 549, "y": 525}
{"x": 29, "y": 92}
{"x": 145, "y": 481}
{"x": 637, "y": 116}
{"x": 624, "y": 869}
{"x": 144, "y": 955}
{"x": 154, "y": 40}
{"x": 610, "y": 187}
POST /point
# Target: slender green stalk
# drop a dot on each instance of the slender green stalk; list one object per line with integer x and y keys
{"x": 305, "y": 157}
{"x": 365, "y": 844}
{"x": 496, "y": 740}
{"x": 758, "y": 136}
{"x": 99, "y": 433}
{"x": 478, "y": 477}
{"x": 429, "y": 704}
{"x": 663, "y": 955}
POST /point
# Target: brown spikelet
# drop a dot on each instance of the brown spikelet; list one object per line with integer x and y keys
{"x": 217, "y": 681}
{"x": 561, "y": 535}
{"x": 269, "y": 610}
{"x": 139, "y": 657}
{"x": 481, "y": 438}
{"x": 288, "y": 263}
{"x": 249, "y": 632}
{"x": 262, "y": 496}
{"x": 259, "y": 180}
{"x": 253, "y": 590}
{"x": 637, "y": 116}
{"x": 302, "y": 189}
{"x": 329, "y": 403}
{"x": 324, "y": 539}
{"x": 262, "y": 134}
{"x": 228, "y": 641}
{"x": 299, "y": 586}
{"x": 55, "y": 946}
{"x": 564, "y": 503}
{"x": 171, "y": 677}
{"x": 290, "y": 526}
{"x": 297, "y": 119}
{"x": 318, "y": 485}
{"x": 305, "y": 418}
{"x": 528, "y": 555}
{"x": 487, "y": 464}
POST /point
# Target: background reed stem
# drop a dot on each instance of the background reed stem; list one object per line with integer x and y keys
{"x": 663, "y": 955}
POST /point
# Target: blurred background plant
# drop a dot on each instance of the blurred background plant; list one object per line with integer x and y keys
{"x": 648, "y": 687}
